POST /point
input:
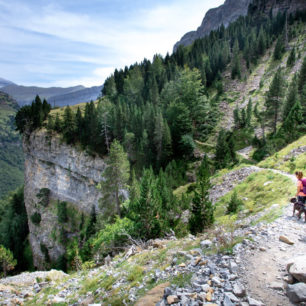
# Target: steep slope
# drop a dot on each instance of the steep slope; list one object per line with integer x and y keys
{"x": 11, "y": 155}
{"x": 216, "y": 267}
{"x": 56, "y": 173}
{"x": 232, "y": 9}
{"x": 214, "y": 18}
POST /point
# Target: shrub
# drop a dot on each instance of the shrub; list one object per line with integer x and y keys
{"x": 7, "y": 260}
{"x": 62, "y": 212}
{"x": 44, "y": 195}
{"x": 234, "y": 203}
{"x": 113, "y": 236}
{"x": 45, "y": 251}
{"x": 36, "y": 218}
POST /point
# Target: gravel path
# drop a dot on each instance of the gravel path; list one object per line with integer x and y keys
{"x": 265, "y": 266}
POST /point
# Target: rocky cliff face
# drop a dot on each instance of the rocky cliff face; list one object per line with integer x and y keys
{"x": 276, "y": 6}
{"x": 232, "y": 9}
{"x": 65, "y": 174}
{"x": 214, "y": 18}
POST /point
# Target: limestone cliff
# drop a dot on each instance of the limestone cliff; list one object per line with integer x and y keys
{"x": 214, "y": 18}
{"x": 65, "y": 174}
{"x": 232, "y": 9}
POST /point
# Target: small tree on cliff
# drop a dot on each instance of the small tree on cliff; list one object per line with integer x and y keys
{"x": 115, "y": 176}
{"x": 7, "y": 260}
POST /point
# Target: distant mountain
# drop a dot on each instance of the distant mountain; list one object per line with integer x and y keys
{"x": 11, "y": 155}
{"x": 55, "y": 95}
{"x": 72, "y": 98}
{"x": 4, "y": 82}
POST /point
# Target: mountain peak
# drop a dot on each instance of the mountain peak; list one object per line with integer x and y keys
{"x": 4, "y": 82}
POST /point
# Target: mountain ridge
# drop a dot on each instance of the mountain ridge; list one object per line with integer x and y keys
{"x": 59, "y": 96}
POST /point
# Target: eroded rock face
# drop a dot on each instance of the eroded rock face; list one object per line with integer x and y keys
{"x": 214, "y": 18}
{"x": 70, "y": 175}
{"x": 232, "y": 9}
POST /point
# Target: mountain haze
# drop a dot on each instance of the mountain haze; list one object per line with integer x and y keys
{"x": 57, "y": 96}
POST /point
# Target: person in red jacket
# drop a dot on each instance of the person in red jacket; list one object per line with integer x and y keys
{"x": 301, "y": 195}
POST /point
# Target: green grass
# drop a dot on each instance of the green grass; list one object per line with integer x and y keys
{"x": 11, "y": 155}
{"x": 277, "y": 160}
{"x": 259, "y": 191}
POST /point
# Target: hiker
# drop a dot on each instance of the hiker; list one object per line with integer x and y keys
{"x": 301, "y": 187}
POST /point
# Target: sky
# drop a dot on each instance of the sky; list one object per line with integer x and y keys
{"x": 81, "y": 42}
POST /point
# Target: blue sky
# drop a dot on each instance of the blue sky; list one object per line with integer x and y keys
{"x": 72, "y": 42}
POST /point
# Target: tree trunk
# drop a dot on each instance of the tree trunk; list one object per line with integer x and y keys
{"x": 117, "y": 203}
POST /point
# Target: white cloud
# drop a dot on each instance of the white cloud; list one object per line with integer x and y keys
{"x": 99, "y": 41}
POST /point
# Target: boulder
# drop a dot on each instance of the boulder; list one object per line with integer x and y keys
{"x": 206, "y": 244}
{"x": 285, "y": 240}
{"x": 239, "y": 290}
{"x": 253, "y": 302}
{"x": 171, "y": 299}
{"x": 297, "y": 268}
{"x": 297, "y": 292}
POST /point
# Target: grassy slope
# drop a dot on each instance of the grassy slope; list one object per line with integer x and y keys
{"x": 289, "y": 164}
{"x": 239, "y": 92}
{"x": 11, "y": 156}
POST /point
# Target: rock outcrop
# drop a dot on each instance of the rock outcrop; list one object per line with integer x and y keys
{"x": 214, "y": 18}
{"x": 232, "y": 9}
{"x": 56, "y": 172}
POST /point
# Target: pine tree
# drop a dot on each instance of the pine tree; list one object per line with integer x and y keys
{"x": 236, "y": 67}
{"x": 294, "y": 122}
{"x": 237, "y": 117}
{"x": 302, "y": 76}
{"x": 274, "y": 98}
{"x": 57, "y": 123}
{"x": 69, "y": 125}
{"x": 291, "y": 58}
{"x": 202, "y": 211}
{"x": 249, "y": 113}
{"x": 222, "y": 157}
{"x": 234, "y": 203}
{"x": 279, "y": 48}
{"x": 261, "y": 118}
{"x": 292, "y": 98}
{"x": 115, "y": 176}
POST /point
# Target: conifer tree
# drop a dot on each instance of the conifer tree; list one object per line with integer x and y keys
{"x": 202, "y": 211}
{"x": 236, "y": 67}
{"x": 69, "y": 125}
{"x": 222, "y": 151}
{"x": 57, "y": 123}
{"x": 249, "y": 113}
{"x": 115, "y": 176}
{"x": 294, "y": 122}
{"x": 291, "y": 99}
{"x": 291, "y": 58}
{"x": 279, "y": 48}
{"x": 302, "y": 76}
{"x": 274, "y": 98}
{"x": 261, "y": 118}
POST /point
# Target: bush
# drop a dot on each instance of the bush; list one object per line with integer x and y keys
{"x": 113, "y": 236}
{"x": 43, "y": 195}
{"x": 234, "y": 203}
{"x": 36, "y": 218}
{"x": 45, "y": 251}
{"x": 62, "y": 212}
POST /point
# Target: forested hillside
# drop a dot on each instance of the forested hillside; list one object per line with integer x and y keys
{"x": 11, "y": 156}
{"x": 159, "y": 128}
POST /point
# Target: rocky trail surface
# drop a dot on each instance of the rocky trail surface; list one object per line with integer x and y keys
{"x": 254, "y": 274}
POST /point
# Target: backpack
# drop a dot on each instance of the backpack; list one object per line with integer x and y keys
{"x": 304, "y": 185}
